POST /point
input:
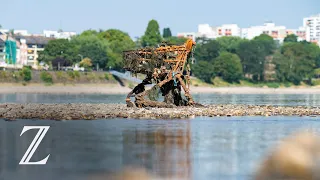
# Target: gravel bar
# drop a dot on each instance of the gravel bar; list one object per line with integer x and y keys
{"x": 105, "y": 111}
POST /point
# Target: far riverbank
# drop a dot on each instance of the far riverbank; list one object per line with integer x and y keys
{"x": 118, "y": 89}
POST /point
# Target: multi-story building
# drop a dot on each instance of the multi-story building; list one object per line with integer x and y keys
{"x": 228, "y": 30}
{"x": 58, "y": 34}
{"x": 22, "y": 52}
{"x": 205, "y": 30}
{"x": 2, "y": 52}
{"x": 312, "y": 26}
{"x": 30, "y": 46}
{"x": 269, "y": 28}
{"x": 301, "y": 33}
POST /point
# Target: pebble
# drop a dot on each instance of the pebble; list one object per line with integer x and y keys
{"x": 74, "y": 111}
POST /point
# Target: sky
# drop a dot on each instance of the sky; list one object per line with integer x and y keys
{"x": 132, "y": 16}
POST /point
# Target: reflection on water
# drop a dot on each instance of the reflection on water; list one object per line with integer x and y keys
{"x": 202, "y": 148}
{"x": 259, "y": 99}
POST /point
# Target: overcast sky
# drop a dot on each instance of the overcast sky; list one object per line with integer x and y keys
{"x": 132, "y": 16}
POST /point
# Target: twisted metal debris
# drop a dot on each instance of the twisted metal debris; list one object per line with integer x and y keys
{"x": 165, "y": 66}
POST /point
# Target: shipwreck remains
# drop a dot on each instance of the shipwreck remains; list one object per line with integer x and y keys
{"x": 166, "y": 66}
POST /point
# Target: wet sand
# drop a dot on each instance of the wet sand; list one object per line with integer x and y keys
{"x": 105, "y": 111}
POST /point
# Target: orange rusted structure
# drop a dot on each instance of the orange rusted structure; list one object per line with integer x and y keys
{"x": 165, "y": 66}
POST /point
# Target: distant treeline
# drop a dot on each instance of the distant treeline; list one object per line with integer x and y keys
{"x": 258, "y": 60}
{"x": 231, "y": 58}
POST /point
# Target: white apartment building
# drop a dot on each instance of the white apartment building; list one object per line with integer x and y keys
{"x": 312, "y": 26}
{"x": 205, "y": 30}
{"x": 301, "y": 33}
{"x": 58, "y": 34}
{"x": 229, "y": 30}
{"x": 269, "y": 28}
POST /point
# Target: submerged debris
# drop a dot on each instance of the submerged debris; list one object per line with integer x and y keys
{"x": 80, "y": 111}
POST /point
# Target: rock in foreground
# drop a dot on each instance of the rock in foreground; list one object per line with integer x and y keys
{"x": 104, "y": 111}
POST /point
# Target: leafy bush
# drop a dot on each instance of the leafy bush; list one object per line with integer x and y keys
{"x": 273, "y": 85}
{"x": 71, "y": 75}
{"x": 91, "y": 77}
{"x": 76, "y": 74}
{"x": 16, "y": 76}
{"x": 3, "y": 75}
{"x": 106, "y": 76}
{"x": 62, "y": 76}
{"x": 46, "y": 77}
{"x": 287, "y": 84}
{"x": 86, "y": 63}
{"x": 26, "y": 74}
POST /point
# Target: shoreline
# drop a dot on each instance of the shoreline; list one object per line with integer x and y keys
{"x": 83, "y": 111}
{"x": 12, "y": 88}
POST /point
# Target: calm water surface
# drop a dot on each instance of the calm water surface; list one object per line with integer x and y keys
{"x": 258, "y": 99}
{"x": 201, "y": 148}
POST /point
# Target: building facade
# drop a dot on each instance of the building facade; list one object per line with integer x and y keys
{"x": 228, "y": 30}
{"x": 2, "y": 52}
{"x": 206, "y": 31}
{"x": 58, "y": 34}
{"x": 312, "y": 26}
{"x": 29, "y": 48}
{"x": 276, "y": 32}
{"x": 301, "y": 33}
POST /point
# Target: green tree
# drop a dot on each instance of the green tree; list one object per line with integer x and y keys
{"x": 89, "y": 32}
{"x": 26, "y": 74}
{"x": 291, "y": 38}
{"x": 267, "y": 42}
{"x": 92, "y": 47}
{"x": 252, "y": 55}
{"x": 204, "y": 71}
{"x": 86, "y": 63}
{"x": 166, "y": 33}
{"x": 207, "y": 51}
{"x": 118, "y": 41}
{"x": 230, "y": 43}
{"x": 228, "y": 66}
{"x": 296, "y": 62}
{"x": 152, "y": 34}
{"x": 58, "y": 48}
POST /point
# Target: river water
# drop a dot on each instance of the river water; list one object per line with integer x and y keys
{"x": 200, "y": 148}
{"x": 256, "y": 99}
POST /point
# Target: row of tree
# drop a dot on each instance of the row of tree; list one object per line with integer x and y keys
{"x": 231, "y": 58}
{"x": 234, "y": 58}
{"x": 102, "y": 48}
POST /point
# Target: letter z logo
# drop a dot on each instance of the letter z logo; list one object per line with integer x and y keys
{"x": 34, "y": 145}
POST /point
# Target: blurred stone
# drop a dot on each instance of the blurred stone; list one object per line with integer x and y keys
{"x": 297, "y": 157}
